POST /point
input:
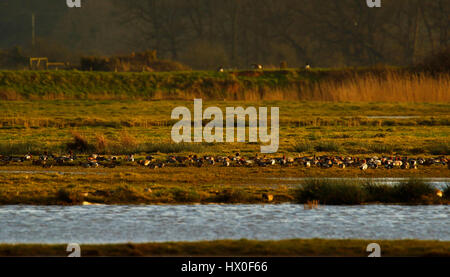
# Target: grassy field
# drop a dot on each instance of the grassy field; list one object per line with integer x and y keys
{"x": 120, "y": 127}
{"x": 351, "y": 84}
{"x": 284, "y": 248}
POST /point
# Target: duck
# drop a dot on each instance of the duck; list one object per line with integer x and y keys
{"x": 364, "y": 166}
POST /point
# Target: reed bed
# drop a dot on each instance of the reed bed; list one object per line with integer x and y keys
{"x": 389, "y": 88}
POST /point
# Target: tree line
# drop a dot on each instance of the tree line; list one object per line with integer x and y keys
{"x": 205, "y": 34}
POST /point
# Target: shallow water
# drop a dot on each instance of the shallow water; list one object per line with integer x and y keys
{"x": 119, "y": 224}
{"x": 437, "y": 182}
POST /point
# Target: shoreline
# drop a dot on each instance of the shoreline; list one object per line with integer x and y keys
{"x": 243, "y": 247}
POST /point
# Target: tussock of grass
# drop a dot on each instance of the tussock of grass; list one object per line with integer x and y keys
{"x": 80, "y": 143}
{"x": 302, "y": 147}
{"x": 439, "y": 149}
{"x": 327, "y": 146}
{"x": 381, "y": 148}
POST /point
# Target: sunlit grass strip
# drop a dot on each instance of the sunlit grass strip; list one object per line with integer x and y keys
{"x": 205, "y": 186}
{"x": 294, "y": 247}
{"x": 355, "y": 85}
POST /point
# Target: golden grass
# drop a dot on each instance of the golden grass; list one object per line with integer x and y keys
{"x": 230, "y": 248}
{"x": 390, "y": 88}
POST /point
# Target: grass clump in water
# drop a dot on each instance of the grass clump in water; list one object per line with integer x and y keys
{"x": 331, "y": 192}
{"x": 353, "y": 192}
{"x": 413, "y": 191}
{"x": 66, "y": 196}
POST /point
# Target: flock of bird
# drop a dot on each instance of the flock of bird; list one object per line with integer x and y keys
{"x": 236, "y": 160}
{"x": 260, "y": 67}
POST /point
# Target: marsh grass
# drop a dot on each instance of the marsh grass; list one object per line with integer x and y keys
{"x": 353, "y": 192}
{"x": 330, "y": 192}
{"x": 232, "y": 195}
{"x": 10, "y": 148}
{"x": 381, "y": 148}
{"x": 328, "y": 146}
{"x": 413, "y": 191}
{"x": 302, "y": 147}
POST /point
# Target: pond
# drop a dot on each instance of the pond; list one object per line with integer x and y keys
{"x": 120, "y": 224}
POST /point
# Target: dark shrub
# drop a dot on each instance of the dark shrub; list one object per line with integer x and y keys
{"x": 80, "y": 143}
